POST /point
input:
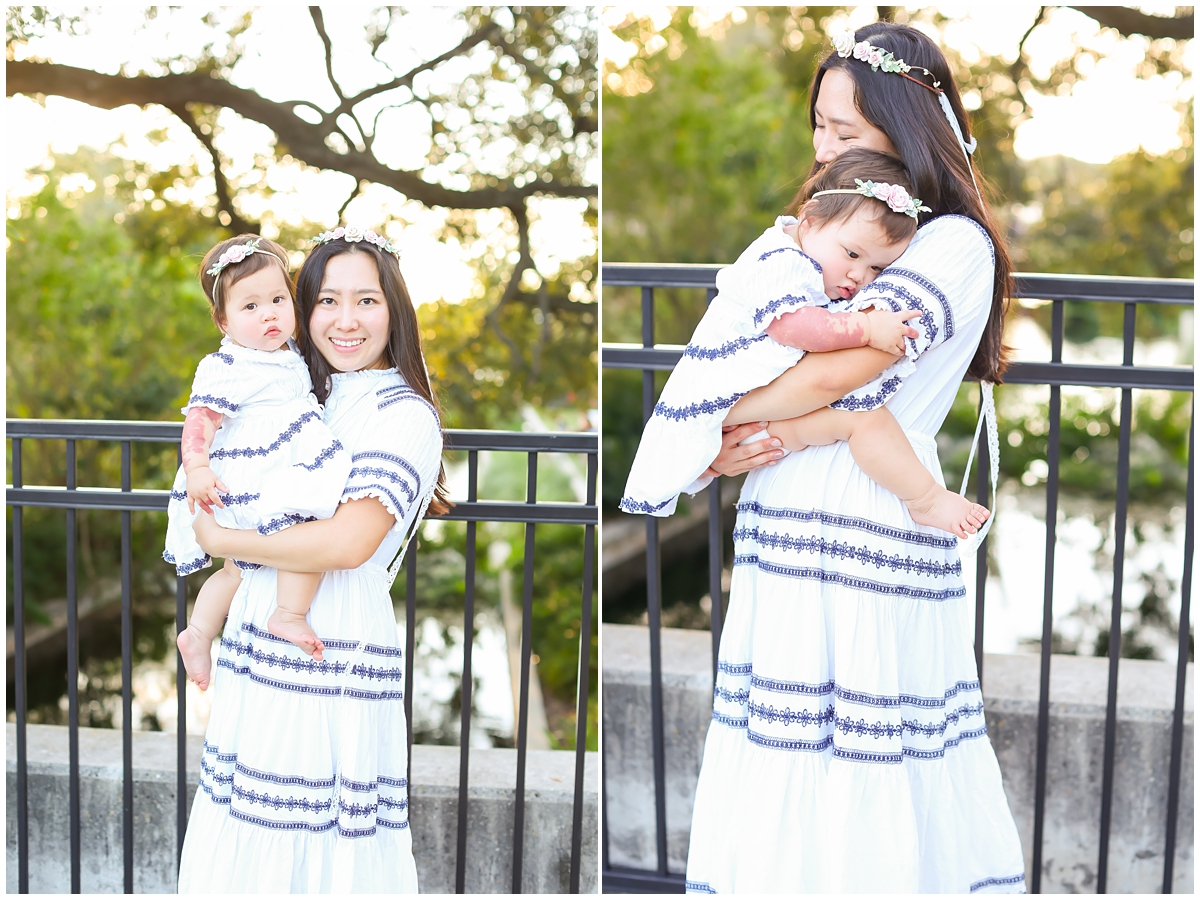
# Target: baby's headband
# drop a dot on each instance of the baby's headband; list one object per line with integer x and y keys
{"x": 353, "y": 234}
{"x": 236, "y": 254}
{"x": 896, "y": 197}
{"x": 878, "y": 58}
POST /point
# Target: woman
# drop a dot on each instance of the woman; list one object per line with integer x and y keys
{"x": 304, "y": 776}
{"x": 848, "y": 750}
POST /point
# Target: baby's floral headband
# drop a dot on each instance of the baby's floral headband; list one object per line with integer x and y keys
{"x": 896, "y": 197}
{"x": 235, "y": 254}
{"x": 353, "y": 234}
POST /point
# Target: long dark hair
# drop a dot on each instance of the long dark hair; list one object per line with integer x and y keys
{"x": 911, "y": 115}
{"x": 403, "y": 349}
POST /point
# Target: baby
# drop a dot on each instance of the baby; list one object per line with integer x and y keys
{"x": 793, "y": 291}
{"x": 252, "y": 422}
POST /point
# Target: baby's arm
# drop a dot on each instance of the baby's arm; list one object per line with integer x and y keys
{"x": 817, "y": 329}
{"x": 199, "y": 429}
{"x": 881, "y": 449}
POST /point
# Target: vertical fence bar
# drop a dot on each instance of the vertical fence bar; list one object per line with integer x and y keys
{"x": 981, "y": 560}
{"x": 583, "y": 681}
{"x": 464, "y": 734}
{"x": 1185, "y": 609}
{"x": 18, "y": 551}
{"x": 410, "y": 643}
{"x": 181, "y": 776}
{"x": 73, "y": 679}
{"x": 1114, "y": 630}
{"x": 526, "y": 654}
{"x": 654, "y": 613}
{"x": 127, "y": 668}
{"x": 1043, "y": 722}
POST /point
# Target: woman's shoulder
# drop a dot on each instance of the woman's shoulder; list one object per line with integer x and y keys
{"x": 963, "y": 233}
{"x": 382, "y": 403}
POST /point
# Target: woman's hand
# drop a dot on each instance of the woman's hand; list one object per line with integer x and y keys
{"x": 887, "y": 329}
{"x": 734, "y": 459}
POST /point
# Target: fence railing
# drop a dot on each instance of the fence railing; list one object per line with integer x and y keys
{"x": 127, "y": 501}
{"x": 1059, "y": 289}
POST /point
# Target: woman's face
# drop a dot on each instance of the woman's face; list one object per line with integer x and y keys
{"x": 349, "y": 324}
{"x": 839, "y": 124}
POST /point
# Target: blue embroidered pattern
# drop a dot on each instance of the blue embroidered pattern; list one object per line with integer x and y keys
{"x": 720, "y": 693}
{"x": 996, "y": 882}
{"x": 250, "y": 452}
{"x": 816, "y": 265}
{"x": 788, "y": 716}
{"x": 698, "y": 887}
{"x": 389, "y": 474}
{"x": 358, "y": 491}
{"x": 783, "y": 744}
{"x": 907, "y": 298}
{"x": 731, "y": 721}
{"x": 326, "y": 454}
{"x": 703, "y": 408}
{"x": 331, "y": 644}
{"x": 272, "y": 778}
{"x": 285, "y": 521}
{"x": 918, "y": 278}
{"x": 775, "y": 305}
{"x": 640, "y": 506}
{"x": 860, "y": 584}
{"x": 399, "y": 392}
{"x": 392, "y": 458}
{"x": 779, "y": 686}
{"x": 307, "y": 688}
{"x": 735, "y": 668}
{"x": 291, "y": 804}
{"x": 864, "y": 729}
{"x": 187, "y": 568}
{"x": 317, "y": 827}
{"x": 836, "y": 550}
{"x": 871, "y": 401}
{"x": 286, "y": 663}
{"x": 246, "y": 566}
{"x": 938, "y": 729}
{"x": 210, "y": 401}
{"x": 226, "y": 358}
{"x": 727, "y": 349}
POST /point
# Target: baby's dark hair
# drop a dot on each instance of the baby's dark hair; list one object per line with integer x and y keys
{"x": 864, "y": 165}
{"x": 216, "y": 287}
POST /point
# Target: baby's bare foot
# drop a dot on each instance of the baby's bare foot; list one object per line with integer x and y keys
{"x": 295, "y": 628}
{"x": 196, "y": 651}
{"x": 948, "y": 511}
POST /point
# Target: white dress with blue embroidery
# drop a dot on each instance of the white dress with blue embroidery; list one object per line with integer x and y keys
{"x": 729, "y": 355}
{"x": 304, "y": 782}
{"x": 848, "y": 750}
{"x": 282, "y": 465}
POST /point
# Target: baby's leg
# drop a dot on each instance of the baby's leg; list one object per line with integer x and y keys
{"x": 883, "y": 452}
{"x": 208, "y": 618}
{"x": 294, "y": 594}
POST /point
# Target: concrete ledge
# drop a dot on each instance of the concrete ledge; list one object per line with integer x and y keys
{"x": 549, "y": 793}
{"x": 1078, "y": 687}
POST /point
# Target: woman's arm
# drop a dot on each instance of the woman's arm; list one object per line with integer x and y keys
{"x": 345, "y": 541}
{"x": 816, "y": 381}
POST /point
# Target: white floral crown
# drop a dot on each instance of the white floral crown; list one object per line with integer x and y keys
{"x": 353, "y": 234}
{"x": 896, "y": 197}
{"x": 236, "y": 254}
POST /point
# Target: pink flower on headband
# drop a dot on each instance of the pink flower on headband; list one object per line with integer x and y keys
{"x": 874, "y": 58}
{"x": 862, "y": 50}
{"x": 898, "y": 198}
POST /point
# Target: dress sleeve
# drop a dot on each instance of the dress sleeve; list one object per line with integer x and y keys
{"x": 946, "y": 274}
{"x": 399, "y": 458}
{"x": 221, "y": 384}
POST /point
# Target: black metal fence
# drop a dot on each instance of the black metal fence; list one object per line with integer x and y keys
{"x": 127, "y": 501}
{"x": 1059, "y": 289}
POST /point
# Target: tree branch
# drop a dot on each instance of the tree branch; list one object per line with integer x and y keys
{"x": 237, "y": 225}
{"x": 1131, "y": 21}
{"x": 358, "y": 186}
{"x": 1017, "y": 69}
{"x": 302, "y": 140}
{"x": 512, "y": 289}
{"x": 319, "y": 23}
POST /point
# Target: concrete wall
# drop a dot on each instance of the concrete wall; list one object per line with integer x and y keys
{"x": 1078, "y": 688}
{"x": 549, "y": 790}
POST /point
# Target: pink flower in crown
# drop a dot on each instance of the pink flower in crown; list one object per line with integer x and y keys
{"x": 898, "y": 198}
{"x": 337, "y": 233}
{"x": 862, "y": 50}
{"x": 874, "y": 58}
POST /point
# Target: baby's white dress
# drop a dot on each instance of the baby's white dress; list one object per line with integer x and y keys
{"x": 729, "y": 355}
{"x": 304, "y": 777}
{"x": 281, "y": 463}
{"x": 848, "y": 751}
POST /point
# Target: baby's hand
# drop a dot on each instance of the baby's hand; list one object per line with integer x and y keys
{"x": 203, "y": 486}
{"x": 889, "y": 329}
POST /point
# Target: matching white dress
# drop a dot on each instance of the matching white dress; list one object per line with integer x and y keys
{"x": 304, "y": 775}
{"x": 848, "y": 750}
{"x": 282, "y": 465}
{"x": 729, "y": 355}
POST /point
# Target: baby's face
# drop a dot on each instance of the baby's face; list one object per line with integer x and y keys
{"x": 258, "y": 311}
{"x": 851, "y": 252}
